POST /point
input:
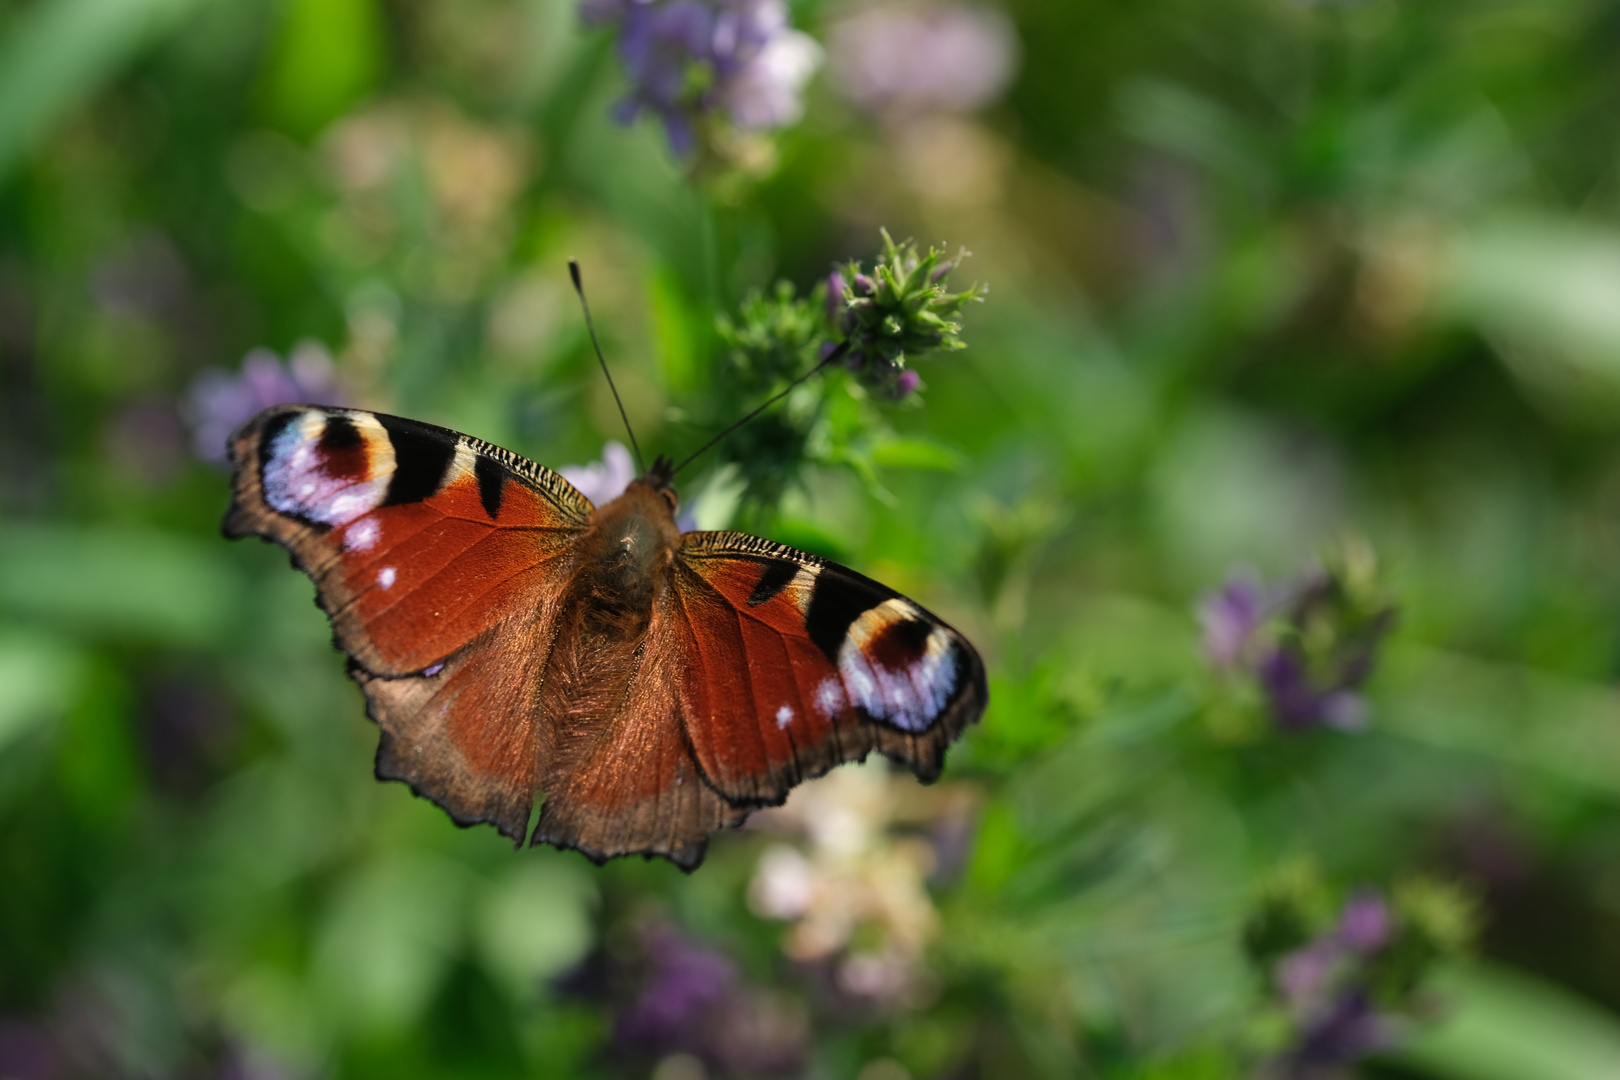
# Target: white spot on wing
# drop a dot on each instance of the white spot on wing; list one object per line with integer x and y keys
{"x": 362, "y": 535}
{"x": 830, "y": 699}
{"x": 386, "y": 576}
{"x": 784, "y": 716}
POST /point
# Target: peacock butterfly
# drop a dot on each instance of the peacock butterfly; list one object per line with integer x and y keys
{"x": 512, "y": 638}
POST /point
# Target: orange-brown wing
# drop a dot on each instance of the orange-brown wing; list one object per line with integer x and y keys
{"x": 440, "y": 560}
{"x": 792, "y": 665}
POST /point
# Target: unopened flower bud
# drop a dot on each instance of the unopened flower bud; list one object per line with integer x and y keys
{"x": 864, "y": 285}
{"x": 835, "y": 297}
{"x": 906, "y": 384}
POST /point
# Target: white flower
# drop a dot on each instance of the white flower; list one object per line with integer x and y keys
{"x": 938, "y": 57}
{"x": 605, "y": 480}
{"x": 856, "y": 893}
{"x": 765, "y": 93}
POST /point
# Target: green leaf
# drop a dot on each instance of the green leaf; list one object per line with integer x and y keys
{"x": 917, "y": 454}
{"x": 1506, "y": 1025}
{"x": 330, "y": 53}
{"x": 38, "y": 679}
{"x": 535, "y": 923}
{"x": 60, "y": 51}
{"x": 387, "y": 939}
{"x": 118, "y": 582}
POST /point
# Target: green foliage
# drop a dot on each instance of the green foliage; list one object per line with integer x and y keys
{"x": 779, "y": 338}
{"x": 902, "y": 309}
{"x": 776, "y": 336}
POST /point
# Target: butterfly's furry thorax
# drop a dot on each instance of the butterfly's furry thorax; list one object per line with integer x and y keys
{"x": 626, "y": 557}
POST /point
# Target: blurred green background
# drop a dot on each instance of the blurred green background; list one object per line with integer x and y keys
{"x": 1265, "y": 275}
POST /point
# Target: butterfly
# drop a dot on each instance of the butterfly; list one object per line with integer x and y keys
{"x": 512, "y": 638}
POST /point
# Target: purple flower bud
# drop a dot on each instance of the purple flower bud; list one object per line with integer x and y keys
{"x": 1364, "y": 925}
{"x": 1349, "y": 1030}
{"x": 1303, "y": 974}
{"x": 1230, "y": 618}
{"x": 835, "y": 297}
{"x": 941, "y": 272}
{"x": 1297, "y": 700}
{"x": 906, "y": 384}
{"x": 864, "y": 285}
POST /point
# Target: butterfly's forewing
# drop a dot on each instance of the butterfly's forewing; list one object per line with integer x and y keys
{"x": 438, "y": 558}
{"x": 794, "y": 664}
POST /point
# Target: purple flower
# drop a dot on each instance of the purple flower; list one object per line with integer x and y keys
{"x": 28, "y": 1051}
{"x": 685, "y": 986}
{"x": 1298, "y": 702}
{"x": 689, "y": 59}
{"x": 685, "y": 998}
{"x": 1324, "y": 986}
{"x": 1310, "y": 645}
{"x": 1304, "y": 975}
{"x": 1230, "y": 618}
{"x": 905, "y": 384}
{"x": 938, "y": 57}
{"x": 218, "y": 402}
{"x": 1349, "y": 1029}
{"x": 1365, "y": 925}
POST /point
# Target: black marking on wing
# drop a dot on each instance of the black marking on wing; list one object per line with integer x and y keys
{"x": 901, "y": 643}
{"x": 338, "y": 435}
{"x": 491, "y": 479}
{"x": 836, "y": 601}
{"x": 778, "y": 572}
{"x": 422, "y": 456}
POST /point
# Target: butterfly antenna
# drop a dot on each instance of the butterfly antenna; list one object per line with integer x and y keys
{"x": 831, "y": 358}
{"x": 573, "y": 272}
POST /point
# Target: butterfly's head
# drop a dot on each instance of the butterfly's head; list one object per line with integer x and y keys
{"x": 662, "y": 472}
{"x": 660, "y": 477}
